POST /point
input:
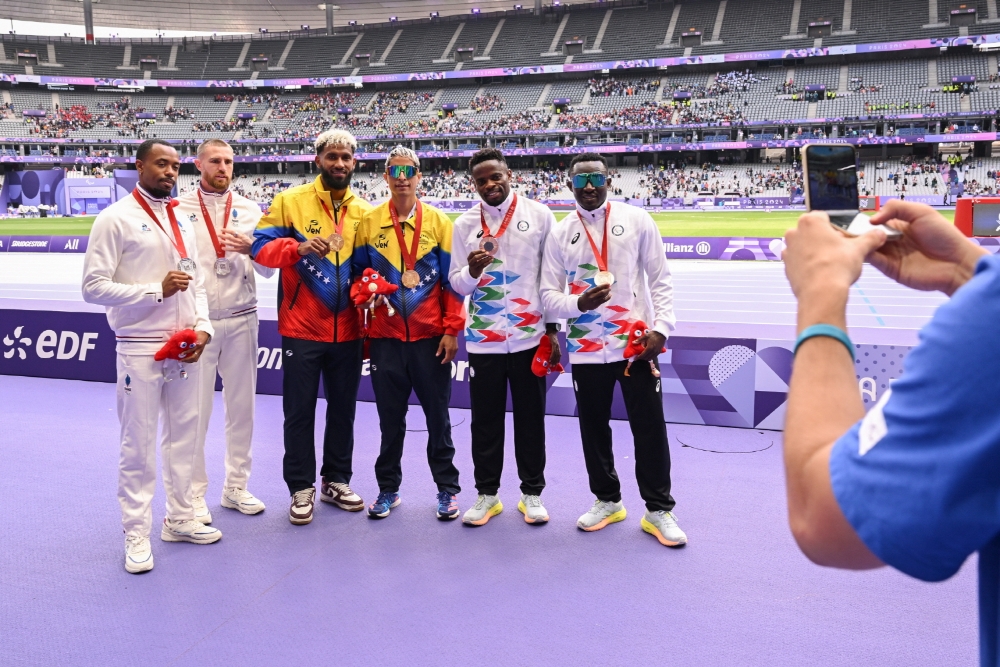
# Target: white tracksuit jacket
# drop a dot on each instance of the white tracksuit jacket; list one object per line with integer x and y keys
{"x": 505, "y": 308}
{"x": 643, "y": 289}
{"x": 127, "y": 258}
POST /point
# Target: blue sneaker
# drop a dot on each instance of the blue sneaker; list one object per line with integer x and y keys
{"x": 447, "y": 506}
{"x": 383, "y": 505}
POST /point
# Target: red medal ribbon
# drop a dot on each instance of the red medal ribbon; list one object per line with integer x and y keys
{"x": 219, "y": 252}
{"x": 602, "y": 256}
{"x": 338, "y": 220}
{"x": 178, "y": 240}
{"x": 503, "y": 225}
{"x": 409, "y": 255}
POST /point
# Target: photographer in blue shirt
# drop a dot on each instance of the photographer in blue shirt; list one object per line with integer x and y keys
{"x": 915, "y": 482}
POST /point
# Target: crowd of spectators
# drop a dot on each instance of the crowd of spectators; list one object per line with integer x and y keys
{"x": 174, "y": 114}
{"x": 119, "y": 115}
{"x": 610, "y": 87}
{"x": 523, "y": 121}
{"x": 672, "y": 180}
{"x": 486, "y": 103}
{"x": 656, "y": 115}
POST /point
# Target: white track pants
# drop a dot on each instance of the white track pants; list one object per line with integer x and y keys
{"x": 233, "y": 352}
{"x": 152, "y": 392}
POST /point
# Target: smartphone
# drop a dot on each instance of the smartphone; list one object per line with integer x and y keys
{"x": 830, "y": 172}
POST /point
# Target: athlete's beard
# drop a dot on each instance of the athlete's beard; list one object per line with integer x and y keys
{"x": 332, "y": 183}
{"x": 157, "y": 193}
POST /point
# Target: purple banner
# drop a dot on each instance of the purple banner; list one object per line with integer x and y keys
{"x": 43, "y": 243}
{"x": 723, "y": 248}
{"x": 751, "y": 393}
{"x": 554, "y": 150}
{"x": 35, "y": 113}
{"x": 930, "y": 200}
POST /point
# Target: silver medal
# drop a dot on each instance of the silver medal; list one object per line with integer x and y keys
{"x": 604, "y": 278}
{"x": 187, "y": 265}
{"x": 223, "y": 266}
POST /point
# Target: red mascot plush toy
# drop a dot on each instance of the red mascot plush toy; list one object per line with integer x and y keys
{"x": 540, "y": 364}
{"x": 371, "y": 283}
{"x": 178, "y": 346}
{"x": 637, "y": 345}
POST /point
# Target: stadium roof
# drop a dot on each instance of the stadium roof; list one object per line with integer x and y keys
{"x": 243, "y": 15}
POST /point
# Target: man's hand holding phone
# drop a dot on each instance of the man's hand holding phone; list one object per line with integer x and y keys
{"x": 931, "y": 254}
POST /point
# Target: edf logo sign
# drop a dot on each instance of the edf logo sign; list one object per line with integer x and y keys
{"x": 68, "y": 345}
{"x": 49, "y": 344}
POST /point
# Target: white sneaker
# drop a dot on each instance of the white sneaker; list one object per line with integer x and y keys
{"x": 138, "y": 555}
{"x": 194, "y": 532}
{"x": 486, "y": 508}
{"x": 235, "y": 498}
{"x": 600, "y": 515}
{"x": 532, "y": 509}
{"x": 201, "y": 512}
{"x": 663, "y": 526}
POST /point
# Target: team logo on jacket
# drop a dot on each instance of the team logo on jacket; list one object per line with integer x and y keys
{"x": 192, "y": 217}
{"x": 128, "y": 383}
{"x": 145, "y": 227}
{"x": 381, "y": 242}
{"x": 617, "y": 230}
{"x": 575, "y": 238}
{"x": 314, "y": 227}
{"x": 522, "y": 225}
{"x": 480, "y": 234}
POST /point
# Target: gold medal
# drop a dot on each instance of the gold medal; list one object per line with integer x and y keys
{"x": 411, "y": 278}
{"x": 604, "y": 278}
{"x": 336, "y": 242}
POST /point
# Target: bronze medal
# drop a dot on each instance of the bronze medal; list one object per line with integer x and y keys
{"x": 490, "y": 245}
{"x": 411, "y": 278}
{"x": 336, "y": 242}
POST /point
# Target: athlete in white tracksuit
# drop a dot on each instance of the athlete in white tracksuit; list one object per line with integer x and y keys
{"x": 131, "y": 268}
{"x": 232, "y": 308}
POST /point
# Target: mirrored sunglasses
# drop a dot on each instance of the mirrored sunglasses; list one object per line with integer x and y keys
{"x": 404, "y": 170}
{"x": 596, "y": 179}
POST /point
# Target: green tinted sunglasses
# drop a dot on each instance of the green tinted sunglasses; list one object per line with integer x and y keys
{"x": 404, "y": 170}
{"x": 596, "y": 179}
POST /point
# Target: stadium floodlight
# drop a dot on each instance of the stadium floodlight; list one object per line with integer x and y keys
{"x": 475, "y": 10}
{"x": 517, "y": 8}
{"x": 263, "y": 31}
{"x": 304, "y": 26}
{"x": 435, "y": 15}
{"x": 352, "y": 23}
{"x": 392, "y": 19}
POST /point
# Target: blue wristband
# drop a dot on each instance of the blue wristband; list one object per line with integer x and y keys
{"x": 827, "y": 330}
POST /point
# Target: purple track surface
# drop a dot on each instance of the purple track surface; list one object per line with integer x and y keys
{"x": 415, "y": 591}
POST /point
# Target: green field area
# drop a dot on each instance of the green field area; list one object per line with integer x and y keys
{"x": 671, "y": 223}
{"x": 47, "y": 226}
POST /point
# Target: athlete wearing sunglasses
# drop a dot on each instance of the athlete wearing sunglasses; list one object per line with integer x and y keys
{"x": 597, "y": 179}
{"x": 604, "y": 269}
{"x": 409, "y": 243}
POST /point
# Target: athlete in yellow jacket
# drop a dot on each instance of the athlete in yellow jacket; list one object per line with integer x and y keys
{"x": 309, "y": 235}
{"x": 409, "y": 243}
